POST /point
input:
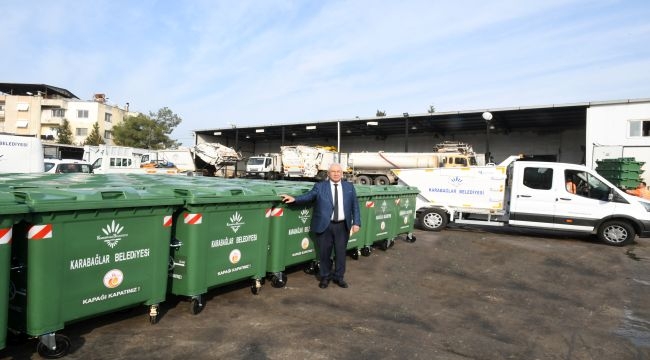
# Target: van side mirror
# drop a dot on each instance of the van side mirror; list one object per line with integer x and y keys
{"x": 610, "y": 196}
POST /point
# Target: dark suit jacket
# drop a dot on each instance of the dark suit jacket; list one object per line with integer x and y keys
{"x": 321, "y": 196}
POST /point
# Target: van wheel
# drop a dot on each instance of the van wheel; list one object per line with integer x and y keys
{"x": 434, "y": 219}
{"x": 616, "y": 233}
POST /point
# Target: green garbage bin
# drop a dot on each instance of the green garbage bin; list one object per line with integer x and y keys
{"x": 11, "y": 213}
{"x": 291, "y": 240}
{"x": 382, "y": 230}
{"x": 221, "y": 236}
{"x": 405, "y": 210}
{"x": 357, "y": 244}
{"x": 85, "y": 252}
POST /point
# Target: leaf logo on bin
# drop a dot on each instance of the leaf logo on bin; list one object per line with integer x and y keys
{"x": 113, "y": 232}
{"x": 406, "y": 203}
{"x": 236, "y": 221}
{"x": 384, "y": 206}
{"x": 235, "y": 256}
{"x": 304, "y": 215}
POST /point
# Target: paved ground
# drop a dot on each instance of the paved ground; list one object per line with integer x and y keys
{"x": 459, "y": 294}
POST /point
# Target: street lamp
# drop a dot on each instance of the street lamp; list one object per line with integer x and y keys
{"x": 487, "y": 116}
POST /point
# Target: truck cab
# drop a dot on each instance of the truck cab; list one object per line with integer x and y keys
{"x": 265, "y": 166}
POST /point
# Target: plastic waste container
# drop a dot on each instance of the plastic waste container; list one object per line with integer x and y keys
{"x": 382, "y": 227}
{"x": 357, "y": 244}
{"x": 86, "y": 252}
{"x": 221, "y": 236}
{"x": 405, "y": 210}
{"x": 291, "y": 241}
{"x": 11, "y": 213}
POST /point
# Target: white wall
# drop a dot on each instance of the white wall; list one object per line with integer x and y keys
{"x": 608, "y": 133}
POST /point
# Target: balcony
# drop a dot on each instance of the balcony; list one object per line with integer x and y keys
{"x": 52, "y": 121}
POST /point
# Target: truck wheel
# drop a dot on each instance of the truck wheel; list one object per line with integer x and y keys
{"x": 616, "y": 233}
{"x": 382, "y": 180}
{"x": 363, "y": 180}
{"x": 270, "y": 176}
{"x": 434, "y": 219}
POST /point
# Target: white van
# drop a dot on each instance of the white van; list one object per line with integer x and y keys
{"x": 528, "y": 194}
{"x": 56, "y": 166}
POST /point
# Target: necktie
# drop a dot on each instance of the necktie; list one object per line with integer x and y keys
{"x": 336, "y": 202}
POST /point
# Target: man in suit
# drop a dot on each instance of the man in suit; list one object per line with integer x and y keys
{"x": 336, "y": 215}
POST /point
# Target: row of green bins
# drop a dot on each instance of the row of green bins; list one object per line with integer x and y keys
{"x": 85, "y": 252}
{"x": 381, "y": 229}
{"x": 221, "y": 236}
{"x": 11, "y": 213}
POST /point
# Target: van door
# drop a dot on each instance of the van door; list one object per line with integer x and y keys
{"x": 532, "y": 199}
{"x": 582, "y": 201}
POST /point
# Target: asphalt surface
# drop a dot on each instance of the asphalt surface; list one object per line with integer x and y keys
{"x": 463, "y": 293}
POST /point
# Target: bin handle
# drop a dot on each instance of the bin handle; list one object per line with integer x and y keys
{"x": 181, "y": 192}
{"x": 112, "y": 195}
{"x": 236, "y": 191}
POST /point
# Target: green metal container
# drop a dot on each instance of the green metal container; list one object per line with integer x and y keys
{"x": 221, "y": 236}
{"x": 85, "y": 252}
{"x": 11, "y": 213}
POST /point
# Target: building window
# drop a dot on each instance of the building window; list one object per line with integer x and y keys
{"x": 22, "y": 106}
{"x": 108, "y": 117}
{"x": 82, "y": 131}
{"x": 639, "y": 128}
{"x": 82, "y": 114}
{"x": 58, "y": 113}
{"x": 2, "y": 107}
{"x": 108, "y": 134}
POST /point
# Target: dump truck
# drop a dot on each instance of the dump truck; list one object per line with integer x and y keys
{"x": 528, "y": 194}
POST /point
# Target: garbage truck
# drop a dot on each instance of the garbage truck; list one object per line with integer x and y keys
{"x": 365, "y": 168}
{"x": 538, "y": 195}
{"x": 299, "y": 162}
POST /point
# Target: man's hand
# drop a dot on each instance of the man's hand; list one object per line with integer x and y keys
{"x": 355, "y": 228}
{"x": 287, "y": 199}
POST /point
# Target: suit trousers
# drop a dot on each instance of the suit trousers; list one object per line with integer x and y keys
{"x": 334, "y": 237}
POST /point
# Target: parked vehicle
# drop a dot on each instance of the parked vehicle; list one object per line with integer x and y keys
{"x": 20, "y": 154}
{"x": 528, "y": 194}
{"x": 61, "y": 166}
{"x": 312, "y": 162}
{"x": 214, "y": 158}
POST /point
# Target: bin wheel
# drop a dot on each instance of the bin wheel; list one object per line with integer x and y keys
{"x": 365, "y": 251}
{"x": 153, "y": 319}
{"x": 410, "y": 238}
{"x": 279, "y": 281}
{"x": 196, "y": 305}
{"x": 384, "y": 245}
{"x": 311, "y": 269}
{"x": 354, "y": 254}
{"x": 257, "y": 286}
{"x": 62, "y": 347}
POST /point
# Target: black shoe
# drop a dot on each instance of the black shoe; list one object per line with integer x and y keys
{"x": 323, "y": 283}
{"x": 341, "y": 283}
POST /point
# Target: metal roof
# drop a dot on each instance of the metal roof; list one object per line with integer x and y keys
{"x": 33, "y": 89}
{"x": 529, "y": 118}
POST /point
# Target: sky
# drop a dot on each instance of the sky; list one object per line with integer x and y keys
{"x": 218, "y": 63}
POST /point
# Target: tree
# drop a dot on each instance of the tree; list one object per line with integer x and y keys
{"x": 94, "y": 138}
{"x": 148, "y": 132}
{"x": 166, "y": 118}
{"x": 432, "y": 109}
{"x": 380, "y": 113}
{"x": 64, "y": 134}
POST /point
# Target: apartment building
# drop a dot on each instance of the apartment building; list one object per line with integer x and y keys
{"x": 39, "y": 110}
